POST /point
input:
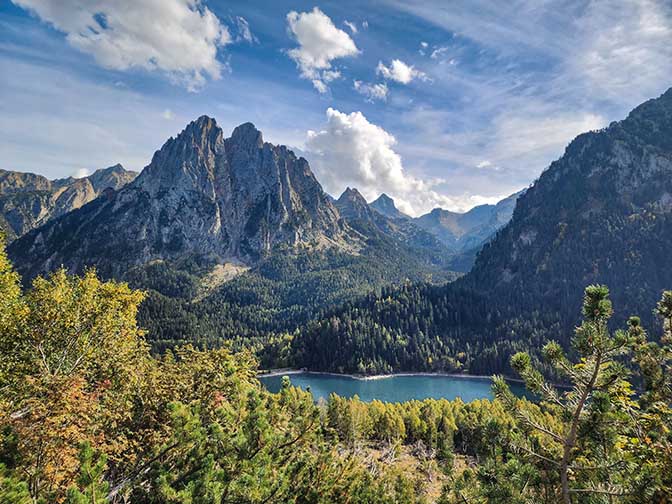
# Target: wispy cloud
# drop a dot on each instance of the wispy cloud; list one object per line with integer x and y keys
{"x": 624, "y": 51}
{"x": 529, "y": 80}
{"x": 371, "y": 91}
{"x": 352, "y": 26}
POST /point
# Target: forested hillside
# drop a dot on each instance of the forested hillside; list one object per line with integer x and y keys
{"x": 602, "y": 213}
{"x": 88, "y": 416}
{"x": 274, "y": 298}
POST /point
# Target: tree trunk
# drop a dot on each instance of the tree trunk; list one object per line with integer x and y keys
{"x": 571, "y": 437}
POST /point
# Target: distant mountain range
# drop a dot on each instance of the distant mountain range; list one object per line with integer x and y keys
{"x": 28, "y": 200}
{"x": 460, "y": 232}
{"x": 602, "y": 213}
{"x": 466, "y": 231}
{"x": 463, "y": 234}
{"x": 242, "y": 213}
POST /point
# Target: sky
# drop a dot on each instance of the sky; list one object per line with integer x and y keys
{"x": 436, "y": 103}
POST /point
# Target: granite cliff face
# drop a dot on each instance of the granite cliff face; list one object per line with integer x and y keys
{"x": 28, "y": 200}
{"x": 234, "y": 198}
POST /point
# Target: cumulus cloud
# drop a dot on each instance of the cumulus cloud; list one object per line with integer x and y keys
{"x": 178, "y": 37}
{"x": 400, "y": 72}
{"x": 351, "y": 151}
{"x": 320, "y": 43}
{"x": 371, "y": 91}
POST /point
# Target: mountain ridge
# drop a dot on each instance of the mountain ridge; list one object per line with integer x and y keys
{"x": 28, "y": 200}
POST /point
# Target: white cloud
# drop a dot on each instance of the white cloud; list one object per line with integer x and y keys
{"x": 81, "y": 173}
{"x": 502, "y": 154}
{"x": 352, "y": 26}
{"x": 178, "y": 37}
{"x": 400, "y": 72}
{"x": 330, "y": 75}
{"x": 351, "y": 151}
{"x": 371, "y": 91}
{"x": 625, "y": 49}
{"x": 590, "y": 49}
{"x": 243, "y": 31}
{"x": 320, "y": 42}
{"x": 320, "y": 86}
{"x": 365, "y": 24}
{"x": 438, "y": 52}
{"x": 424, "y": 45}
{"x": 168, "y": 114}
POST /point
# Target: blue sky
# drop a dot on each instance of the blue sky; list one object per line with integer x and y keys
{"x": 437, "y": 103}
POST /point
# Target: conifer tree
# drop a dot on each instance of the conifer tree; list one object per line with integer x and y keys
{"x": 91, "y": 487}
{"x": 594, "y": 415}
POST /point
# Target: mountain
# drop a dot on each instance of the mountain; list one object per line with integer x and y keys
{"x": 352, "y": 206}
{"x": 232, "y": 238}
{"x": 602, "y": 213}
{"x": 386, "y": 206}
{"x": 463, "y": 232}
{"x": 399, "y": 237}
{"x": 28, "y": 200}
{"x": 202, "y": 194}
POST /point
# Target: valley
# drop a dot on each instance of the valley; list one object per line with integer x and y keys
{"x": 383, "y": 252}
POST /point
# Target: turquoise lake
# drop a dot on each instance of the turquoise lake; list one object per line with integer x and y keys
{"x": 391, "y": 389}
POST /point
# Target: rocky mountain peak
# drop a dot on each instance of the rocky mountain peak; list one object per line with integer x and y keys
{"x": 185, "y": 163}
{"x": 352, "y": 205}
{"x": 386, "y": 206}
{"x": 235, "y": 198}
{"x": 247, "y": 135}
{"x": 15, "y": 182}
{"x": 352, "y": 194}
{"x": 114, "y": 177}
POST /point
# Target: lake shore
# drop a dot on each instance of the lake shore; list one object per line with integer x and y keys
{"x": 291, "y": 371}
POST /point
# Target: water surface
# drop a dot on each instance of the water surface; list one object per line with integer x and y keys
{"x": 391, "y": 389}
